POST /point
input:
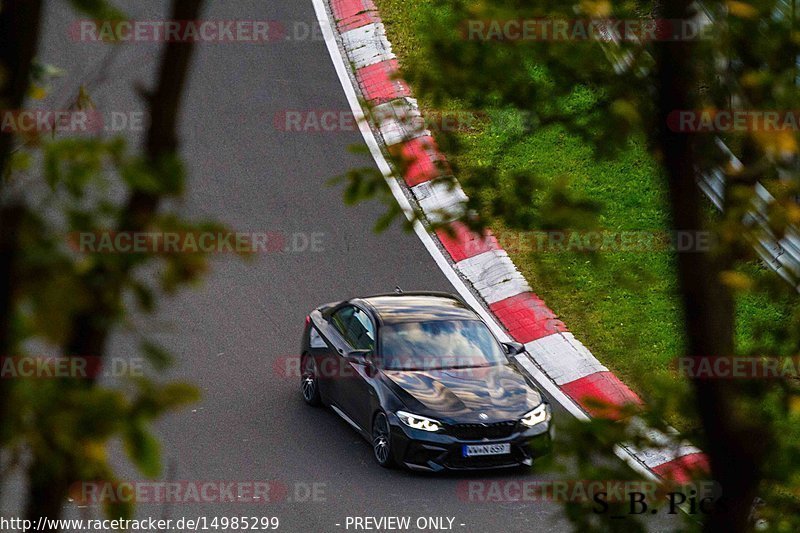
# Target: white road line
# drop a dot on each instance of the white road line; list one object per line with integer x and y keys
{"x": 446, "y": 268}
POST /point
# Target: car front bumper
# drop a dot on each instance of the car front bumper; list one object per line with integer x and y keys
{"x": 437, "y": 451}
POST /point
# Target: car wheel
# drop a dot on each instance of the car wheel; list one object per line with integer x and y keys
{"x": 309, "y": 384}
{"x": 382, "y": 441}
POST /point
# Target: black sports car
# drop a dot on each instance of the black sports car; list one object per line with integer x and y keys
{"x": 421, "y": 377}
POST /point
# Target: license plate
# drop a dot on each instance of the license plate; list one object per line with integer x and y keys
{"x": 471, "y": 450}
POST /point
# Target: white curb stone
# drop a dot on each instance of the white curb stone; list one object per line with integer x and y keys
{"x": 399, "y": 121}
{"x": 441, "y": 200}
{"x": 493, "y": 275}
{"x": 564, "y": 358}
{"x": 367, "y": 45}
{"x": 666, "y": 448}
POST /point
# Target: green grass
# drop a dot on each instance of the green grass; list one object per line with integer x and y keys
{"x": 623, "y": 306}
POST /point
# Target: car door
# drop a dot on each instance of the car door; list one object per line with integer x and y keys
{"x": 354, "y": 390}
{"x": 322, "y": 349}
{"x": 329, "y": 365}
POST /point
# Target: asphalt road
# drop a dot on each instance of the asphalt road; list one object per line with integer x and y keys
{"x": 228, "y": 333}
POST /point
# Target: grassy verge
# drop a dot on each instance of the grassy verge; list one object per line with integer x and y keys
{"x": 623, "y": 305}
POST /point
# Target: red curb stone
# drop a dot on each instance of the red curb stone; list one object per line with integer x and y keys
{"x": 351, "y": 14}
{"x": 380, "y": 84}
{"x": 682, "y": 469}
{"x": 601, "y": 394}
{"x": 423, "y": 160}
{"x": 527, "y": 318}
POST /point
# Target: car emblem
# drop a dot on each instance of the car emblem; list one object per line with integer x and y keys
{"x": 483, "y": 416}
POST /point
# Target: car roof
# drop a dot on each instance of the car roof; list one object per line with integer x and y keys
{"x": 418, "y": 307}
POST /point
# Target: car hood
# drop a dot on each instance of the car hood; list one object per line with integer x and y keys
{"x": 462, "y": 395}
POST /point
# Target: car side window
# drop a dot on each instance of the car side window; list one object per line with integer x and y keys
{"x": 341, "y": 319}
{"x": 355, "y": 326}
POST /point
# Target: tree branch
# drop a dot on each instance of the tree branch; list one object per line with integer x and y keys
{"x": 90, "y": 329}
{"x": 19, "y": 31}
{"x": 708, "y": 306}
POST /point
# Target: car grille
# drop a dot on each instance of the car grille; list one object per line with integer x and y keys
{"x": 495, "y": 430}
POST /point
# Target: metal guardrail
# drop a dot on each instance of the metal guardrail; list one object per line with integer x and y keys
{"x": 780, "y": 254}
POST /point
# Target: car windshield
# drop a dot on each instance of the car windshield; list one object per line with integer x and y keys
{"x": 439, "y": 344}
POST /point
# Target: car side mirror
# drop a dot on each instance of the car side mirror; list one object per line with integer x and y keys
{"x": 513, "y": 348}
{"x": 359, "y": 357}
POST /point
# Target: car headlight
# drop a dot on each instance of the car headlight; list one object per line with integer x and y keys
{"x": 419, "y": 422}
{"x": 537, "y": 416}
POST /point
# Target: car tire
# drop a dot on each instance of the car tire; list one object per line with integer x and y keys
{"x": 309, "y": 381}
{"x": 382, "y": 441}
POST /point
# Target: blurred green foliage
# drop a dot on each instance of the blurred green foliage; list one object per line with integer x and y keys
{"x": 58, "y": 429}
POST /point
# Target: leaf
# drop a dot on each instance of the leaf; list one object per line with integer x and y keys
{"x": 596, "y": 8}
{"x": 37, "y": 92}
{"x": 736, "y": 280}
{"x": 742, "y": 9}
{"x": 777, "y": 143}
{"x": 98, "y": 9}
{"x": 143, "y": 448}
{"x": 157, "y": 356}
{"x": 386, "y": 220}
{"x": 144, "y": 297}
{"x": 118, "y": 509}
{"x": 178, "y": 394}
{"x": 84, "y": 99}
{"x": 171, "y": 175}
